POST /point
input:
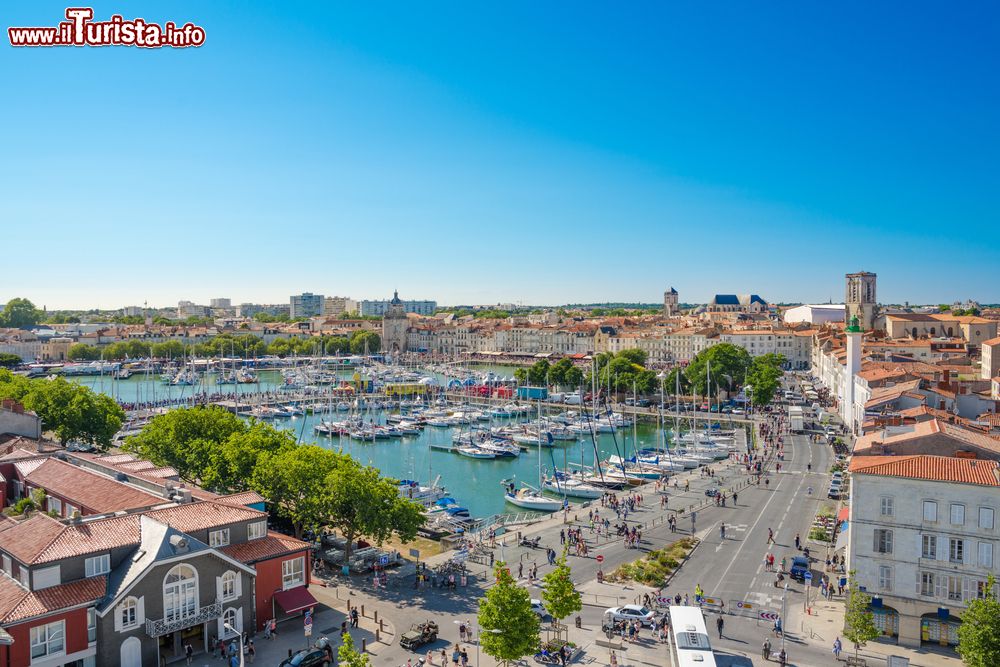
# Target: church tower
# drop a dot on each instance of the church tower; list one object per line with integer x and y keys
{"x": 670, "y": 303}
{"x": 394, "y": 325}
{"x": 859, "y": 300}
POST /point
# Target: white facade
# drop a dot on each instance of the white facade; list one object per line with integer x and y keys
{"x": 380, "y": 308}
{"x": 815, "y": 314}
{"x": 922, "y": 545}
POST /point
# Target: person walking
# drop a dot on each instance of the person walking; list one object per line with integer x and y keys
{"x": 251, "y": 650}
{"x": 770, "y": 536}
{"x": 719, "y": 623}
{"x": 837, "y": 648}
{"x": 189, "y": 652}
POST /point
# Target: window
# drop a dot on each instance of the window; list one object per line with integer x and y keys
{"x": 256, "y": 530}
{"x": 91, "y": 625}
{"x": 886, "y": 505}
{"x": 218, "y": 538}
{"x": 986, "y": 518}
{"x": 232, "y": 619}
{"x": 71, "y": 509}
{"x": 180, "y": 593}
{"x": 928, "y": 546}
{"x": 128, "y": 613}
{"x": 6, "y": 564}
{"x": 48, "y": 639}
{"x": 54, "y": 505}
{"x": 883, "y": 541}
{"x": 927, "y": 584}
{"x": 930, "y": 510}
{"x": 885, "y": 577}
{"x": 293, "y": 573}
{"x": 986, "y": 554}
{"x": 955, "y": 588}
{"x": 956, "y": 550}
{"x": 24, "y": 576}
{"x": 98, "y": 565}
{"x": 958, "y": 514}
{"x": 229, "y": 585}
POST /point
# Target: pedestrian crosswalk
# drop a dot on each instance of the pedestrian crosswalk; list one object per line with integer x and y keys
{"x": 764, "y": 600}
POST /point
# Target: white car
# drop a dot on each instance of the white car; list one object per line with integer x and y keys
{"x": 539, "y": 608}
{"x": 631, "y": 612}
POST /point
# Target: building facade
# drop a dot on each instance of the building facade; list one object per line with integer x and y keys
{"x": 860, "y": 298}
{"x": 394, "y": 325}
{"x": 380, "y": 308}
{"x": 306, "y": 304}
{"x": 671, "y": 303}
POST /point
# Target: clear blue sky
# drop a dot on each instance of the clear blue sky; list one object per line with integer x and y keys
{"x": 515, "y": 151}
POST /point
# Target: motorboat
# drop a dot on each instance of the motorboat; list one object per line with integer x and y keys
{"x": 568, "y": 486}
{"x": 474, "y": 452}
{"x": 531, "y": 499}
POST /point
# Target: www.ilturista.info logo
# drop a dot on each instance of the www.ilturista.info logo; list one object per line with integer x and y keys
{"x": 81, "y": 30}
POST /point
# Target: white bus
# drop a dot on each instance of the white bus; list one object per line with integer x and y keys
{"x": 689, "y": 644}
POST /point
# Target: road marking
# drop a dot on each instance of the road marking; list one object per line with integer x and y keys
{"x": 744, "y": 542}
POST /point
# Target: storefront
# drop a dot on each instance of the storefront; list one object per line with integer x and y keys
{"x": 886, "y": 618}
{"x": 940, "y": 628}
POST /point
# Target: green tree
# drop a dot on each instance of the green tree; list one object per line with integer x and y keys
{"x": 349, "y": 656}
{"x": 764, "y": 377}
{"x": 557, "y": 372}
{"x": 560, "y": 595}
{"x": 281, "y": 347}
{"x": 20, "y": 314}
{"x": 676, "y": 379}
{"x": 573, "y": 377}
{"x": 295, "y": 482}
{"x": 231, "y": 463}
{"x": 521, "y": 375}
{"x": 539, "y": 372}
{"x": 171, "y": 349}
{"x": 859, "y": 622}
{"x": 724, "y": 359}
{"x": 362, "y": 339}
{"x": 636, "y": 356}
{"x": 8, "y": 360}
{"x": 337, "y": 345}
{"x": 508, "y": 626}
{"x": 74, "y": 412}
{"x": 979, "y": 633}
{"x": 360, "y": 502}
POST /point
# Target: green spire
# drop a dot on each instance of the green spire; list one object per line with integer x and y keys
{"x": 855, "y": 325}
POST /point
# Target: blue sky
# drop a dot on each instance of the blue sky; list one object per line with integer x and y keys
{"x": 506, "y": 152}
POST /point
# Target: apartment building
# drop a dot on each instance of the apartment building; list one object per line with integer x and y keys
{"x": 923, "y": 536}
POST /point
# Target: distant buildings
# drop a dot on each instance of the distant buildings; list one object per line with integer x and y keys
{"x": 306, "y": 304}
{"x": 335, "y": 306}
{"x": 221, "y": 303}
{"x": 815, "y": 314}
{"x": 250, "y": 309}
{"x": 670, "y": 303}
{"x": 380, "y": 308}
{"x": 737, "y": 303}
{"x": 186, "y": 309}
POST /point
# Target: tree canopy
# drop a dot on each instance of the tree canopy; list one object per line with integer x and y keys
{"x": 559, "y": 594}
{"x": 859, "y": 622}
{"x": 295, "y": 482}
{"x": 729, "y": 365}
{"x": 362, "y": 340}
{"x": 509, "y": 628}
{"x": 20, "y": 314}
{"x": 70, "y": 411}
{"x": 764, "y": 378}
{"x": 979, "y": 633}
{"x": 9, "y": 360}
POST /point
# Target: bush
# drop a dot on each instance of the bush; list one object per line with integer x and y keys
{"x": 654, "y": 569}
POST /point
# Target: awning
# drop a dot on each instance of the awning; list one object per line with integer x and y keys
{"x": 295, "y": 599}
{"x": 844, "y": 514}
{"x": 841, "y": 541}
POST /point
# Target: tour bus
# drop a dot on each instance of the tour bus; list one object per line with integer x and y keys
{"x": 689, "y": 638}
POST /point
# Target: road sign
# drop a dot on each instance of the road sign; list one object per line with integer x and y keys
{"x": 808, "y": 575}
{"x": 600, "y": 558}
{"x": 383, "y": 560}
{"x": 415, "y": 553}
{"x": 309, "y": 630}
{"x": 769, "y": 616}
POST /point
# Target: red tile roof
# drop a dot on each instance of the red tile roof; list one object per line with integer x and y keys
{"x": 49, "y": 600}
{"x": 203, "y": 515}
{"x": 244, "y": 498}
{"x": 89, "y": 537}
{"x": 933, "y": 468}
{"x": 30, "y": 537}
{"x": 92, "y": 490}
{"x": 271, "y": 546}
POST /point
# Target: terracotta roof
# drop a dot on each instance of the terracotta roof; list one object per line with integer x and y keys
{"x": 89, "y": 537}
{"x": 25, "y": 468}
{"x": 29, "y": 538}
{"x": 203, "y": 515}
{"x": 49, "y": 600}
{"x": 274, "y": 544}
{"x": 933, "y": 468}
{"x": 244, "y": 498}
{"x": 992, "y": 341}
{"x": 92, "y": 490}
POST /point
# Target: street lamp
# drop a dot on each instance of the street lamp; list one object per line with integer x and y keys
{"x": 240, "y": 634}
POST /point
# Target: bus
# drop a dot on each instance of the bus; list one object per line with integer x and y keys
{"x": 689, "y": 644}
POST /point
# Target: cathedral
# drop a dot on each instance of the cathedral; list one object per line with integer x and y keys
{"x": 394, "y": 324}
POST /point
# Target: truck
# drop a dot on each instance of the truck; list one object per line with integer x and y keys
{"x": 418, "y": 635}
{"x": 532, "y": 393}
{"x": 795, "y": 419}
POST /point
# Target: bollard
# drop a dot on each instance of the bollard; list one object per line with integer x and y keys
{"x": 362, "y": 610}
{"x": 380, "y": 626}
{"x": 348, "y": 606}
{"x": 364, "y": 645}
{"x": 377, "y": 636}
{"x": 376, "y": 615}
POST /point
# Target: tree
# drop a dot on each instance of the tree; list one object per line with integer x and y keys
{"x": 20, "y": 314}
{"x": 859, "y": 622}
{"x": 539, "y": 372}
{"x": 573, "y": 377}
{"x": 171, "y": 349}
{"x": 676, "y": 379}
{"x": 635, "y": 355}
{"x": 362, "y": 340}
{"x": 349, "y": 656}
{"x": 557, "y": 372}
{"x": 722, "y": 359}
{"x": 764, "y": 377}
{"x": 560, "y": 595}
{"x": 521, "y": 375}
{"x": 231, "y": 463}
{"x": 508, "y": 626}
{"x": 82, "y": 352}
{"x": 360, "y": 502}
{"x": 74, "y": 412}
{"x": 295, "y": 482}
{"x": 8, "y": 360}
{"x": 979, "y": 633}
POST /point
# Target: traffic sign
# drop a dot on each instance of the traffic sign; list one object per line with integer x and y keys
{"x": 383, "y": 560}
{"x": 770, "y": 616}
{"x": 600, "y": 558}
{"x": 808, "y": 575}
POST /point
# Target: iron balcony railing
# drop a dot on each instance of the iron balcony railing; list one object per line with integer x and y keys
{"x": 161, "y": 626}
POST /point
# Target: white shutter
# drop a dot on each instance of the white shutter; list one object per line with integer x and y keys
{"x": 140, "y": 611}
{"x": 239, "y": 617}
{"x": 942, "y": 547}
{"x": 940, "y": 586}
{"x": 967, "y": 556}
{"x": 919, "y": 575}
{"x": 218, "y": 588}
{"x": 220, "y": 629}
{"x": 238, "y": 589}
{"x": 118, "y": 618}
{"x": 968, "y": 589}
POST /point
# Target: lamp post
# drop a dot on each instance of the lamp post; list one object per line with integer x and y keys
{"x": 240, "y": 635}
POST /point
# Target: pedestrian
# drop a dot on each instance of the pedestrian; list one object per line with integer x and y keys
{"x": 770, "y": 536}
{"x": 614, "y": 660}
{"x": 189, "y": 652}
{"x": 837, "y": 648}
{"x": 718, "y": 624}
{"x": 444, "y": 658}
{"x": 222, "y": 649}
{"x": 520, "y": 570}
{"x": 274, "y": 628}
{"x": 465, "y": 658}
{"x": 355, "y": 619}
{"x": 797, "y": 541}
{"x": 461, "y": 632}
{"x": 455, "y": 656}
{"x": 251, "y": 649}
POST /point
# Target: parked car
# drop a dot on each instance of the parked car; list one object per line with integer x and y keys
{"x": 631, "y": 612}
{"x": 799, "y": 567}
{"x": 313, "y": 657}
{"x": 539, "y": 608}
{"x": 739, "y": 411}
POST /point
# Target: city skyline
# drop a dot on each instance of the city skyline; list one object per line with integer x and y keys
{"x": 525, "y": 154}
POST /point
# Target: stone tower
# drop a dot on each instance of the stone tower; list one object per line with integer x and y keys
{"x": 394, "y": 325}
{"x": 852, "y": 366}
{"x": 670, "y": 303}
{"x": 860, "y": 300}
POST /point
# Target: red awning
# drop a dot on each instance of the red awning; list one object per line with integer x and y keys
{"x": 295, "y": 599}
{"x": 843, "y": 514}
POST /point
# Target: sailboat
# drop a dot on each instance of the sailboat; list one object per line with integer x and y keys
{"x": 527, "y": 497}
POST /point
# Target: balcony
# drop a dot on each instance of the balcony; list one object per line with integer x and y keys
{"x": 160, "y": 627}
